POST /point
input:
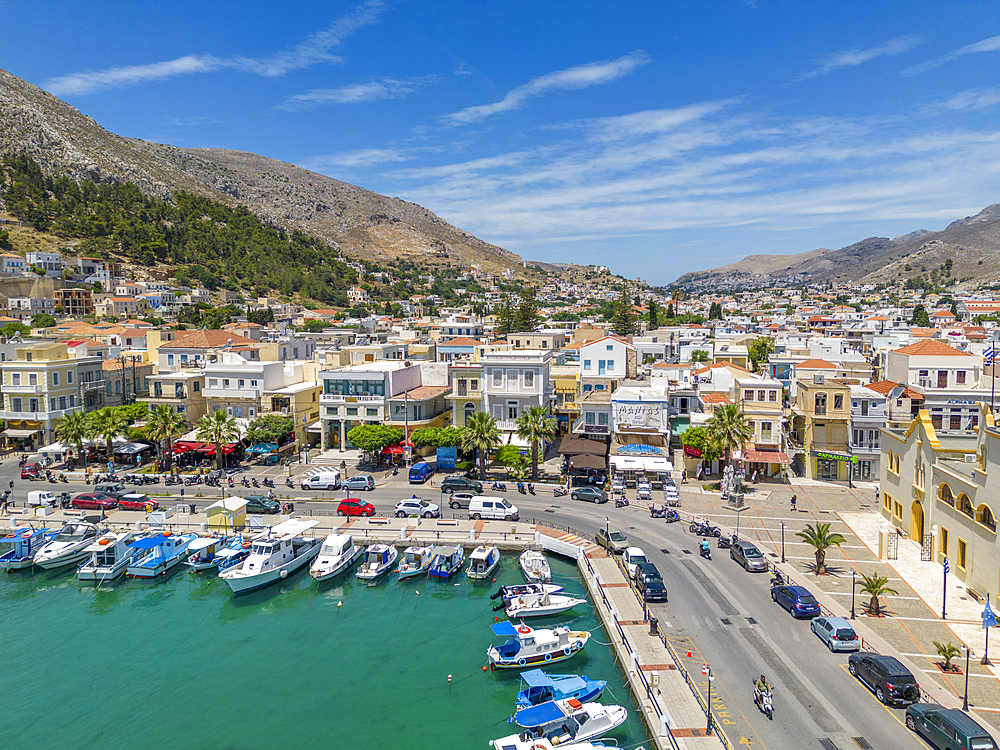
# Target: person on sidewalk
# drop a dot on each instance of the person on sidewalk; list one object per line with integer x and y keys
{"x": 794, "y": 499}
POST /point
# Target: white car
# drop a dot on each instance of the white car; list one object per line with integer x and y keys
{"x": 631, "y": 557}
{"x": 414, "y": 506}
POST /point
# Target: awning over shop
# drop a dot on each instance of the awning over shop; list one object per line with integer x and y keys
{"x": 262, "y": 448}
{"x": 184, "y": 446}
{"x": 587, "y": 461}
{"x": 766, "y": 457}
{"x": 512, "y": 438}
{"x": 571, "y": 446}
{"x": 131, "y": 449}
{"x": 650, "y": 464}
{"x": 14, "y": 433}
{"x": 209, "y": 450}
{"x": 316, "y": 426}
{"x": 395, "y": 450}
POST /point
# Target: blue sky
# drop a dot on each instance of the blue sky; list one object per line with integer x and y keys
{"x": 653, "y": 137}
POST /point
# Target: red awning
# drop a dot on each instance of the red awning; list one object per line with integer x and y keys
{"x": 392, "y": 449}
{"x": 183, "y": 446}
{"x": 209, "y": 450}
{"x": 766, "y": 457}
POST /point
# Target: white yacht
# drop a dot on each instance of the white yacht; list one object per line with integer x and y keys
{"x": 535, "y": 567}
{"x": 274, "y": 555}
{"x": 68, "y": 546}
{"x": 109, "y": 557}
{"x": 562, "y": 723}
{"x": 378, "y": 559}
{"x": 539, "y": 605}
{"x": 338, "y": 553}
{"x": 416, "y": 561}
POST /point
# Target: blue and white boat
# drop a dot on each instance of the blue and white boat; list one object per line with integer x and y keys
{"x": 109, "y": 557}
{"x": 379, "y": 558}
{"x": 338, "y": 553}
{"x": 446, "y": 561}
{"x": 533, "y": 647}
{"x": 203, "y": 553}
{"x": 233, "y": 553}
{"x": 563, "y": 723}
{"x": 416, "y": 561}
{"x": 68, "y": 546}
{"x": 24, "y": 544}
{"x": 159, "y": 554}
{"x": 541, "y": 688}
{"x": 483, "y": 561}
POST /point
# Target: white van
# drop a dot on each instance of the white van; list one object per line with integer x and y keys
{"x": 40, "y": 497}
{"x": 328, "y": 479}
{"x": 493, "y": 508}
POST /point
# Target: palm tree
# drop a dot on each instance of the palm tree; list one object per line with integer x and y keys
{"x": 480, "y": 433}
{"x": 875, "y": 586}
{"x": 73, "y": 429}
{"x": 535, "y": 425}
{"x": 947, "y": 651}
{"x": 821, "y": 539}
{"x": 728, "y": 429}
{"x": 107, "y": 424}
{"x": 162, "y": 425}
{"x": 218, "y": 428}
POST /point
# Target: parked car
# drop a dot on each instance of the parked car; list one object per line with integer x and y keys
{"x": 747, "y": 555}
{"x": 836, "y": 633}
{"x": 135, "y": 501}
{"x": 262, "y": 504}
{"x": 361, "y": 482}
{"x": 94, "y": 501}
{"x": 414, "y": 506}
{"x": 460, "y": 500}
{"x": 322, "y": 480}
{"x": 948, "y": 728}
{"x": 631, "y": 557}
{"x": 796, "y": 599}
{"x": 114, "y": 489}
{"x": 30, "y": 471}
{"x": 355, "y": 508}
{"x": 592, "y": 494}
{"x": 458, "y": 483}
{"x": 649, "y": 583}
{"x": 613, "y": 541}
{"x": 492, "y": 508}
{"x": 420, "y": 473}
{"x": 885, "y": 676}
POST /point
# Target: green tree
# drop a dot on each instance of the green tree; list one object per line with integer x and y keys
{"x": 5, "y": 240}
{"x": 820, "y": 538}
{"x": 654, "y": 315}
{"x": 760, "y": 350}
{"x": 480, "y": 434}
{"x": 728, "y": 428}
{"x": 372, "y": 437}
{"x": 72, "y": 429}
{"x": 162, "y": 426}
{"x": 436, "y": 437}
{"x": 536, "y": 426}
{"x": 715, "y": 311}
{"x": 920, "y": 317}
{"x": 506, "y": 321}
{"x": 623, "y": 322}
{"x": 12, "y": 329}
{"x": 314, "y": 326}
{"x": 218, "y": 428}
{"x": 526, "y": 317}
{"x": 670, "y": 311}
{"x": 261, "y": 317}
{"x": 133, "y": 412}
{"x": 106, "y": 424}
{"x": 42, "y": 320}
{"x": 269, "y": 428}
{"x": 509, "y": 456}
{"x": 697, "y": 437}
{"x": 874, "y": 586}
{"x": 699, "y": 355}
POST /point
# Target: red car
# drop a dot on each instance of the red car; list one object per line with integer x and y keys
{"x": 94, "y": 501}
{"x": 136, "y": 501}
{"x": 355, "y": 508}
{"x": 29, "y": 471}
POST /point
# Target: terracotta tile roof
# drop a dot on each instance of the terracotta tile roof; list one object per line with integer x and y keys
{"x": 943, "y": 314}
{"x": 815, "y": 364}
{"x": 720, "y": 364}
{"x": 715, "y": 397}
{"x": 885, "y": 386}
{"x": 424, "y": 392}
{"x": 931, "y": 348}
{"x": 207, "y": 339}
{"x": 460, "y": 341}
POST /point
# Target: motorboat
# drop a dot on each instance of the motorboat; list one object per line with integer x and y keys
{"x": 483, "y": 561}
{"x": 563, "y": 723}
{"x": 539, "y": 605}
{"x": 203, "y": 553}
{"x": 514, "y": 743}
{"x": 416, "y": 561}
{"x": 159, "y": 554}
{"x": 542, "y": 687}
{"x": 532, "y": 647}
{"x": 233, "y": 553}
{"x": 68, "y": 546}
{"x": 110, "y": 557}
{"x": 274, "y": 555}
{"x": 535, "y": 566}
{"x": 446, "y": 561}
{"x": 338, "y": 553}
{"x": 520, "y": 589}
{"x": 379, "y": 558}
{"x": 25, "y": 543}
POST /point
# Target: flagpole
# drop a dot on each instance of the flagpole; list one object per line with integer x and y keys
{"x": 987, "y": 618}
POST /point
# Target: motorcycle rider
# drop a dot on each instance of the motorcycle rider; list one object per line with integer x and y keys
{"x": 759, "y": 688}
{"x": 704, "y": 546}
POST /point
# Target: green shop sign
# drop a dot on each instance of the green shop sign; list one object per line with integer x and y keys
{"x": 835, "y": 456}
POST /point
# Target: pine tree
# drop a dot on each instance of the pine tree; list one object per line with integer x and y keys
{"x": 505, "y": 317}
{"x": 623, "y": 322}
{"x": 654, "y": 315}
{"x": 526, "y": 317}
{"x": 670, "y": 312}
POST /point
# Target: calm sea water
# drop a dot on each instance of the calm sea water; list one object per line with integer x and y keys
{"x": 183, "y": 664}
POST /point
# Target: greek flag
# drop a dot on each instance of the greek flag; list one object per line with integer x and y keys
{"x": 350, "y": 389}
{"x": 989, "y": 354}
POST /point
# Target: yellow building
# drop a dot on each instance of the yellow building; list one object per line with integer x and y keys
{"x": 821, "y": 420}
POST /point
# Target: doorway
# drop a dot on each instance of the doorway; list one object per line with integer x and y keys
{"x": 917, "y": 522}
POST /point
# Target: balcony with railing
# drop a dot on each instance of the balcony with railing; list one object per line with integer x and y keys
{"x": 338, "y": 398}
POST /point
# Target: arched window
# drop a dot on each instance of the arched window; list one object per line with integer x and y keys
{"x": 965, "y": 505}
{"x": 985, "y": 516}
{"x": 470, "y": 409}
{"x": 945, "y": 495}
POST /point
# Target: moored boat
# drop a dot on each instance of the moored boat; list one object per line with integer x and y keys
{"x": 483, "y": 561}
{"x": 539, "y": 605}
{"x": 416, "y": 561}
{"x": 159, "y": 554}
{"x": 542, "y": 687}
{"x": 544, "y": 744}
{"x": 535, "y": 566}
{"x": 338, "y": 553}
{"x": 109, "y": 557}
{"x": 274, "y": 555}
{"x": 446, "y": 561}
{"x": 68, "y": 546}
{"x": 203, "y": 553}
{"x": 24, "y": 543}
{"x": 532, "y": 647}
{"x": 563, "y": 723}
{"x": 379, "y": 558}
{"x": 520, "y": 589}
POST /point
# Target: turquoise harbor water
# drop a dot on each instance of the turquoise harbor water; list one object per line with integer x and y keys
{"x": 183, "y": 664}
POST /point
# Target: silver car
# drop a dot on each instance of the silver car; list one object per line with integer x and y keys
{"x": 747, "y": 555}
{"x": 414, "y": 506}
{"x": 836, "y": 633}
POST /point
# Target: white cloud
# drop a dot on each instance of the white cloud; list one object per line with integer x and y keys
{"x": 355, "y": 93}
{"x": 578, "y": 77}
{"x": 313, "y": 50}
{"x": 854, "y": 57}
{"x": 971, "y": 99}
{"x": 365, "y": 157}
{"x": 992, "y": 44}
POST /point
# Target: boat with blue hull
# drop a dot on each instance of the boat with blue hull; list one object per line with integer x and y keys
{"x": 159, "y": 554}
{"x": 541, "y": 688}
{"x": 447, "y": 561}
{"x": 533, "y": 647}
{"x": 203, "y": 553}
{"x": 24, "y": 543}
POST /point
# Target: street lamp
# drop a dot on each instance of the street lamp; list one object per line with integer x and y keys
{"x": 711, "y": 678}
{"x": 965, "y": 698}
{"x": 853, "y": 589}
{"x": 782, "y": 540}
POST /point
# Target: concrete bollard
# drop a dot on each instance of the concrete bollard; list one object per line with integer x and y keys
{"x": 664, "y": 725}
{"x": 402, "y": 532}
{"x": 472, "y": 535}
{"x": 204, "y": 527}
{"x": 138, "y": 525}
{"x": 538, "y": 537}
{"x": 633, "y": 662}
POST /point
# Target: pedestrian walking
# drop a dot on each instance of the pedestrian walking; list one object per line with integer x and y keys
{"x": 876, "y": 495}
{"x": 794, "y": 499}
{"x": 684, "y": 476}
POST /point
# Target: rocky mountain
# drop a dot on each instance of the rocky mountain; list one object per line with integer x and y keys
{"x": 965, "y": 253}
{"x": 361, "y": 223}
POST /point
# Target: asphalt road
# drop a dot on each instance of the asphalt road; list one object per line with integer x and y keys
{"x": 724, "y": 615}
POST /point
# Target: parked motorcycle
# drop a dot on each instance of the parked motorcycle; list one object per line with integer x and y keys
{"x": 499, "y": 487}
{"x": 268, "y": 482}
{"x": 655, "y": 512}
{"x": 64, "y": 500}
{"x": 531, "y": 489}
{"x": 289, "y": 482}
{"x": 724, "y": 543}
{"x": 245, "y": 482}
{"x": 704, "y": 528}
{"x": 254, "y": 482}
{"x": 558, "y": 492}
{"x": 673, "y": 515}
{"x": 621, "y": 502}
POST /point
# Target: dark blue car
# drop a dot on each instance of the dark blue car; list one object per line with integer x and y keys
{"x": 797, "y": 600}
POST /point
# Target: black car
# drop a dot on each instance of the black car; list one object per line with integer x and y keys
{"x": 261, "y": 504}
{"x": 891, "y": 682}
{"x": 461, "y": 484}
{"x": 649, "y": 583}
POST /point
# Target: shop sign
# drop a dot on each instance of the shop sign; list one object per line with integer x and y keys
{"x": 599, "y": 429}
{"x": 692, "y": 452}
{"x": 826, "y": 456}
{"x": 639, "y": 449}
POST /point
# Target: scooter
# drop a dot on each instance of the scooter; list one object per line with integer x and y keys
{"x": 62, "y": 478}
{"x": 763, "y": 699}
{"x": 64, "y": 500}
{"x": 531, "y": 489}
{"x": 705, "y": 550}
{"x": 655, "y": 512}
{"x": 289, "y": 482}
{"x": 254, "y": 482}
{"x": 777, "y": 579}
{"x": 520, "y": 488}
{"x": 395, "y": 470}
{"x": 558, "y": 492}
{"x": 245, "y": 482}
{"x": 499, "y": 487}
{"x": 268, "y": 482}
{"x": 673, "y": 516}
{"x": 621, "y": 502}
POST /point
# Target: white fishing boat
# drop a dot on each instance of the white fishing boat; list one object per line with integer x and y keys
{"x": 534, "y": 647}
{"x": 203, "y": 553}
{"x": 416, "y": 561}
{"x": 338, "y": 553}
{"x": 24, "y": 544}
{"x": 539, "y": 605}
{"x": 109, "y": 557}
{"x": 274, "y": 555}
{"x": 379, "y": 558}
{"x": 446, "y": 562}
{"x": 520, "y": 589}
{"x": 483, "y": 561}
{"x": 159, "y": 554}
{"x": 563, "y": 723}
{"x": 544, "y": 744}
{"x": 68, "y": 546}
{"x": 535, "y": 566}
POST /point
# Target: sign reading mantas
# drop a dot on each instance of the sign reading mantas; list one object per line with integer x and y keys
{"x": 636, "y": 415}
